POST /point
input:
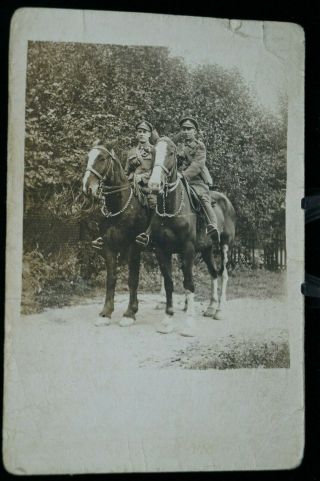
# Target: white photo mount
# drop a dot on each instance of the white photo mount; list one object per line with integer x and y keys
{"x": 66, "y": 411}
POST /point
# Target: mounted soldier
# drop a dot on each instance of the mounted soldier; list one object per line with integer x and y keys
{"x": 139, "y": 164}
{"x": 191, "y": 158}
{"x": 140, "y": 158}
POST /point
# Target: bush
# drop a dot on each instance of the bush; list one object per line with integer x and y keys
{"x": 49, "y": 281}
{"x": 77, "y": 92}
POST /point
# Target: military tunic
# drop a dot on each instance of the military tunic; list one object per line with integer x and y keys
{"x": 140, "y": 161}
{"x": 192, "y": 162}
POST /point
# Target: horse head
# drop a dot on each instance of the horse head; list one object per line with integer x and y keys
{"x": 100, "y": 169}
{"x": 165, "y": 164}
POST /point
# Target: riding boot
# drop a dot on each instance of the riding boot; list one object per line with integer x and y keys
{"x": 144, "y": 237}
{"x": 212, "y": 224}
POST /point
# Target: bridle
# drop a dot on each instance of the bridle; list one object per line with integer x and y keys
{"x": 94, "y": 171}
{"x": 169, "y": 187}
{"x": 105, "y": 190}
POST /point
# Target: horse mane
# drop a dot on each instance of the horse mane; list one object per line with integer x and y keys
{"x": 168, "y": 140}
{"x": 114, "y": 157}
{"x": 122, "y": 173}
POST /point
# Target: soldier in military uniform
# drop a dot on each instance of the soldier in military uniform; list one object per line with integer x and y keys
{"x": 191, "y": 157}
{"x": 140, "y": 162}
{"x": 140, "y": 159}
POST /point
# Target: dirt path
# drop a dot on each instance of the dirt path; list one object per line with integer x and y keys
{"x": 85, "y": 399}
{"x": 253, "y": 333}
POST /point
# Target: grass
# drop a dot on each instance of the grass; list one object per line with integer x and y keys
{"x": 44, "y": 287}
{"x": 257, "y": 284}
{"x": 235, "y": 355}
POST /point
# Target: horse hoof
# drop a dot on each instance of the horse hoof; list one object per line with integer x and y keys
{"x": 188, "y": 329}
{"x": 169, "y": 311}
{"x": 165, "y": 326}
{"x": 218, "y": 315}
{"x": 188, "y": 332}
{"x": 105, "y": 321}
{"x": 210, "y": 312}
{"x": 130, "y": 314}
{"x": 164, "y": 329}
{"x": 126, "y": 321}
{"x": 160, "y": 306}
{"x": 105, "y": 313}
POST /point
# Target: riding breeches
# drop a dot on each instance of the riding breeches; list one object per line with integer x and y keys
{"x": 204, "y": 195}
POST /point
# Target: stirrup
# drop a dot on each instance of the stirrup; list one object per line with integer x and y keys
{"x": 143, "y": 239}
{"x": 97, "y": 243}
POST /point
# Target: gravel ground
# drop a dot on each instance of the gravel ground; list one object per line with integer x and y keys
{"x": 253, "y": 333}
{"x": 85, "y": 399}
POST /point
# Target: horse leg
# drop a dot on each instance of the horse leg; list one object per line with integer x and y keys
{"x": 188, "y": 284}
{"x": 165, "y": 264}
{"x": 108, "y": 308}
{"x": 208, "y": 258}
{"x": 162, "y": 293}
{"x": 134, "y": 269}
{"x": 225, "y": 277}
{"x": 162, "y": 289}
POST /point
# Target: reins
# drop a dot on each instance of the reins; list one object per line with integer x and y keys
{"x": 168, "y": 188}
{"x": 105, "y": 190}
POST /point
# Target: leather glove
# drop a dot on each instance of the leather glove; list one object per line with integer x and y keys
{"x": 152, "y": 201}
{"x": 135, "y": 162}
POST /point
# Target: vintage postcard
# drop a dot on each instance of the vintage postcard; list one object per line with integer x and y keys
{"x": 154, "y": 318}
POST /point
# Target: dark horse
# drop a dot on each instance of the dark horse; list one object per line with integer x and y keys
{"x": 176, "y": 229}
{"x": 123, "y": 218}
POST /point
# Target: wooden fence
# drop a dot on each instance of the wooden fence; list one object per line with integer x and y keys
{"x": 269, "y": 253}
{"x": 48, "y": 235}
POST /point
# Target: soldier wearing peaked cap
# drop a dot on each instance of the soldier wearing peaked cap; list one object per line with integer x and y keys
{"x": 191, "y": 157}
{"x": 139, "y": 163}
{"x": 145, "y": 125}
{"x": 189, "y": 122}
{"x": 141, "y": 157}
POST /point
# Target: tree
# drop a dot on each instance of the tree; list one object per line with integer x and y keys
{"x": 78, "y": 92}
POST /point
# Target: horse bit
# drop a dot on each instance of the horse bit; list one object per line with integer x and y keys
{"x": 104, "y": 190}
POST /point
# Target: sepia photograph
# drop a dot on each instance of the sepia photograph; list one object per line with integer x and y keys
{"x": 133, "y": 155}
{"x": 156, "y": 198}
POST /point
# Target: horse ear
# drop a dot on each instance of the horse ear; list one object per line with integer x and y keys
{"x": 154, "y": 137}
{"x": 96, "y": 142}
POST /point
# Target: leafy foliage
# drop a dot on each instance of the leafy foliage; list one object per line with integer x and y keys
{"x": 79, "y": 92}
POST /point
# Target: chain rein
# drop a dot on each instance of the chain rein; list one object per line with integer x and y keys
{"x": 168, "y": 188}
{"x": 107, "y": 213}
{"x": 104, "y": 190}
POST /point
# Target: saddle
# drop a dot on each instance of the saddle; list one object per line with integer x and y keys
{"x": 194, "y": 199}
